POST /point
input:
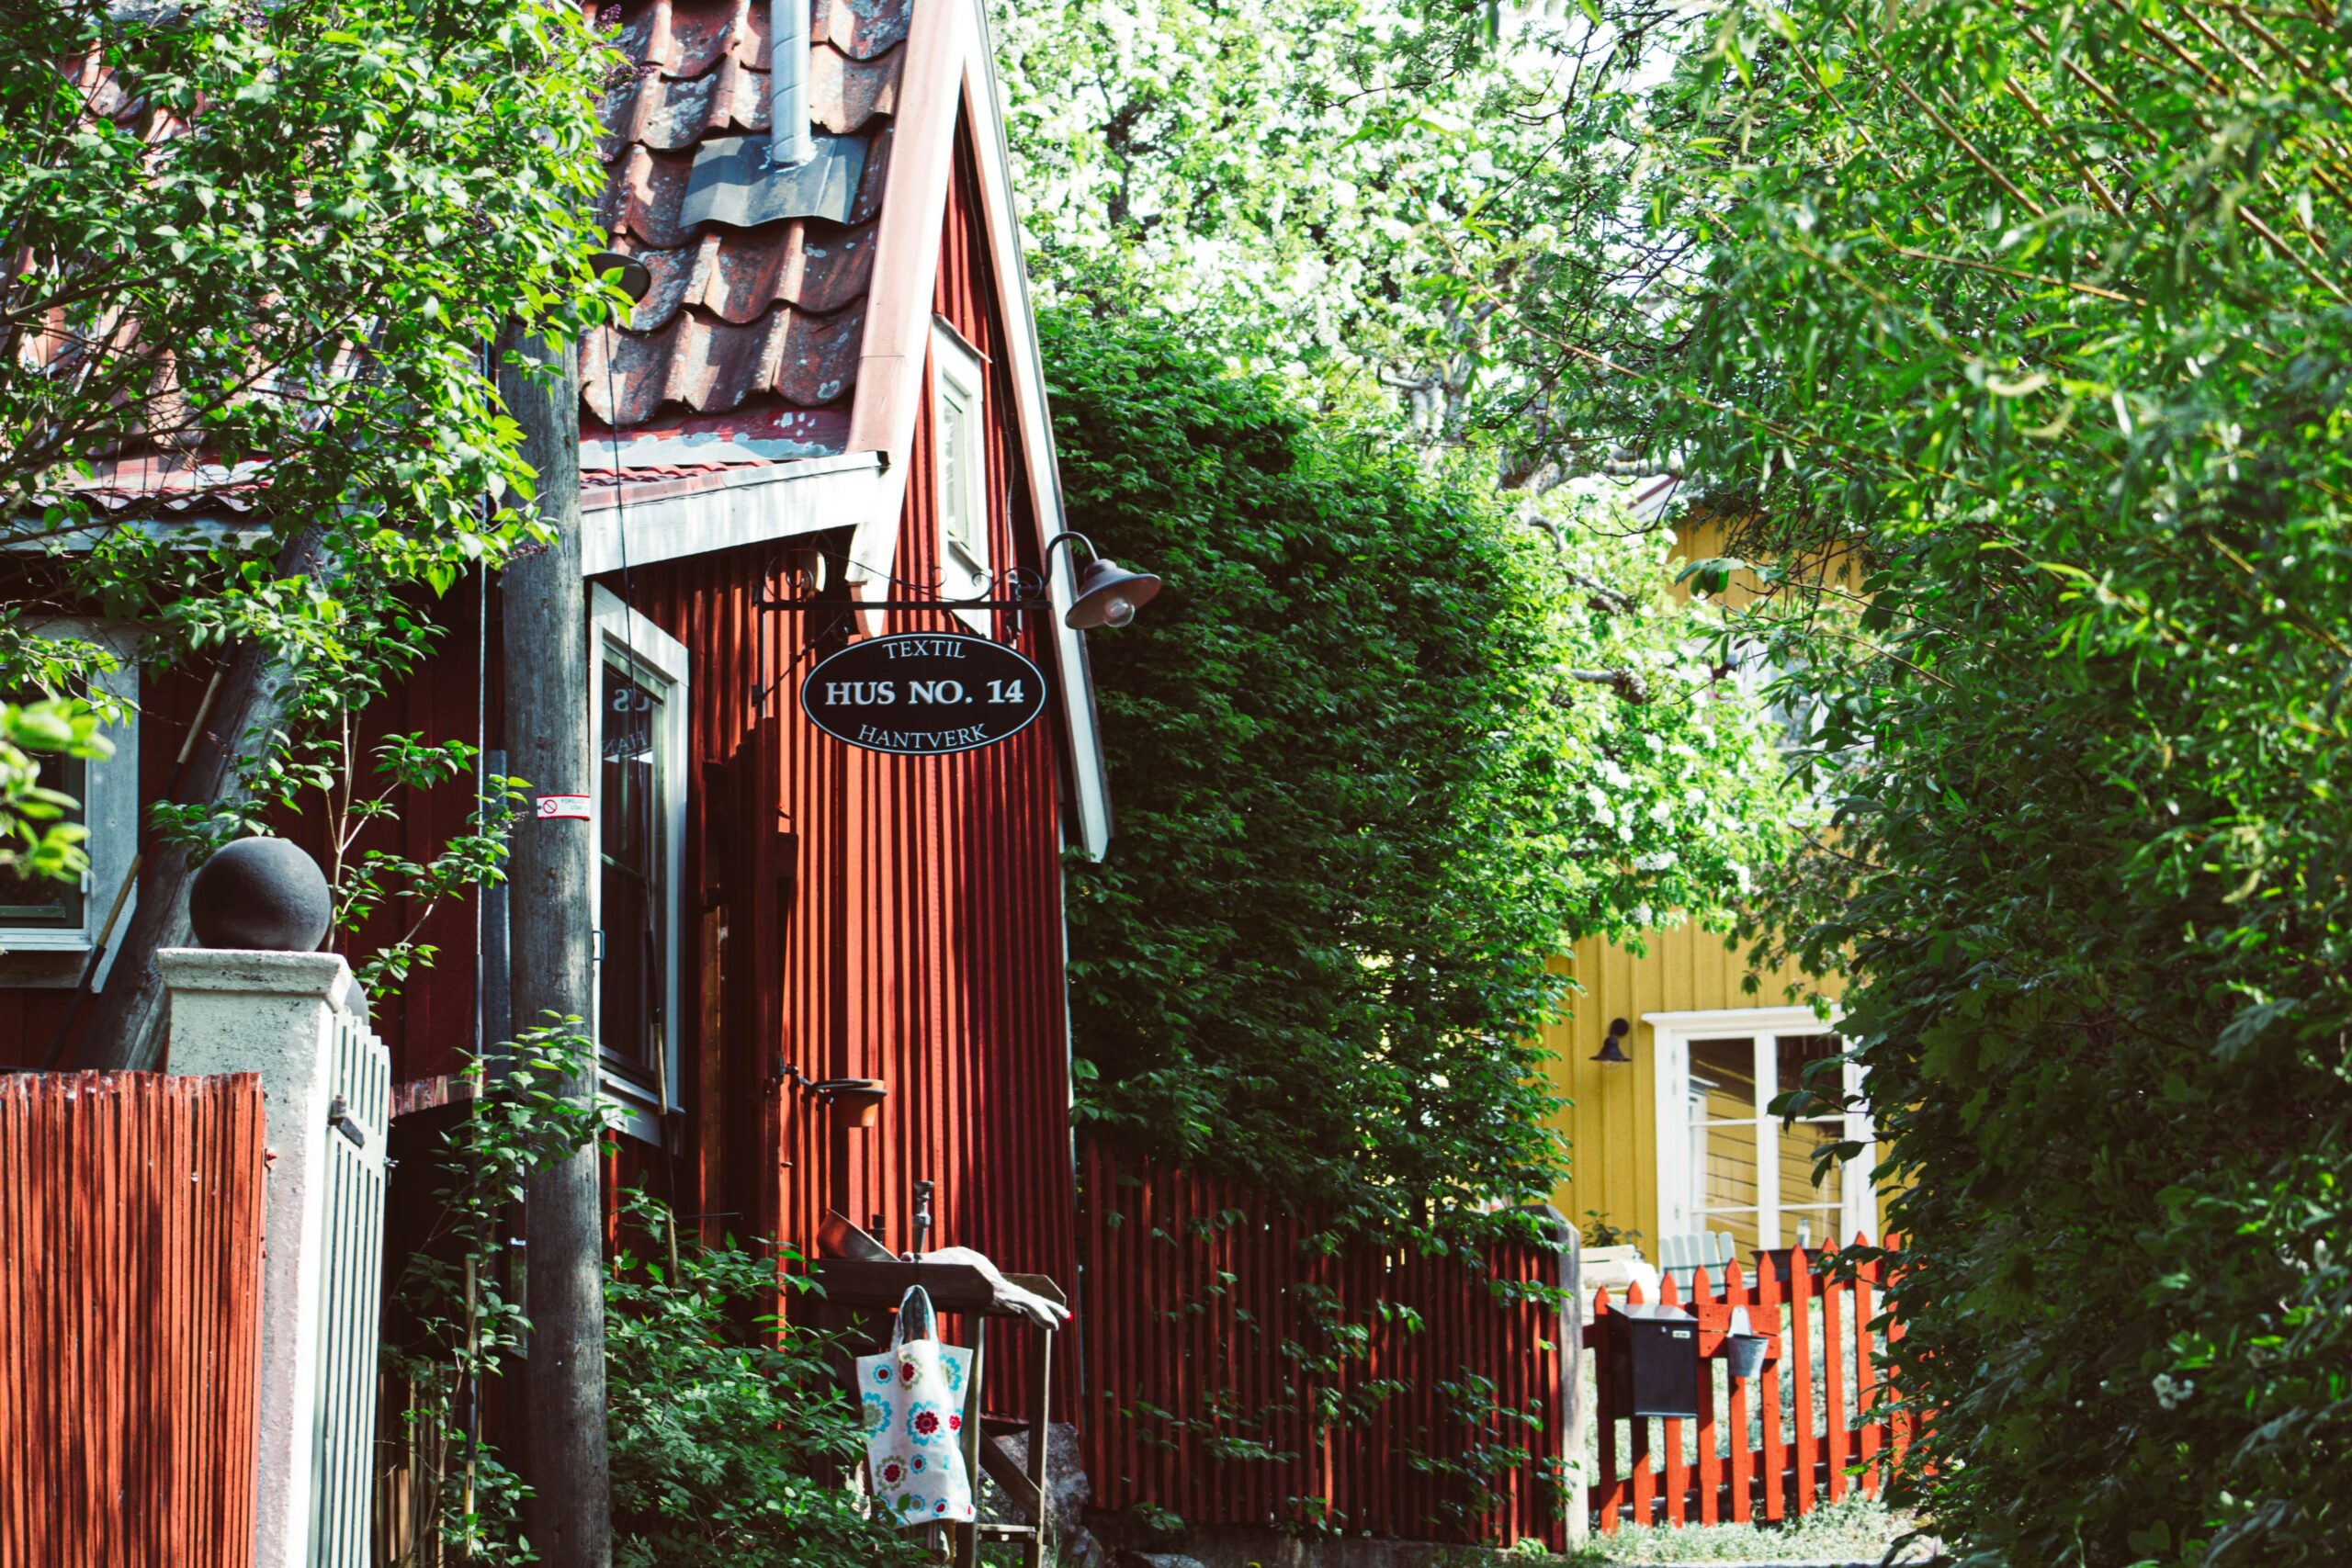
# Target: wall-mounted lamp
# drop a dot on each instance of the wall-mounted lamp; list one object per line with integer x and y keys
{"x": 636, "y": 280}
{"x": 854, "y": 1102}
{"x": 857, "y": 1103}
{"x": 1108, "y": 593}
{"x": 1610, "y": 1050}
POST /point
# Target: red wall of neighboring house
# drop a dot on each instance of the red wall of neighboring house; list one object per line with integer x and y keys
{"x": 430, "y": 1026}
{"x": 849, "y": 913}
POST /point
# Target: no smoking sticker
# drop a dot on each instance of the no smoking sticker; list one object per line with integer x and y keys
{"x": 563, "y": 806}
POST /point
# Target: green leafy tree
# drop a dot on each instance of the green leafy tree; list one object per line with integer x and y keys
{"x": 2012, "y": 348}
{"x": 1289, "y": 182}
{"x": 257, "y": 254}
{"x": 1380, "y": 750}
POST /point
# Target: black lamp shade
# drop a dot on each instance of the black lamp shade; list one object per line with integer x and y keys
{"x": 1109, "y": 595}
{"x": 1609, "y": 1051}
{"x": 635, "y": 280}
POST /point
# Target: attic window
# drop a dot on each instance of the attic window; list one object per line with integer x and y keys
{"x": 959, "y": 416}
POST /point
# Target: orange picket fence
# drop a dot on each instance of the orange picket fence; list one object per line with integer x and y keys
{"x": 1815, "y": 1425}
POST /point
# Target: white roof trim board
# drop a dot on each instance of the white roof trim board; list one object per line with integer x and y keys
{"x": 1036, "y": 428}
{"x": 906, "y": 267}
{"x": 740, "y": 507}
{"x": 949, "y": 68}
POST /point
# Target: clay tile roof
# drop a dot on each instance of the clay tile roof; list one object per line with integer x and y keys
{"x": 747, "y": 320}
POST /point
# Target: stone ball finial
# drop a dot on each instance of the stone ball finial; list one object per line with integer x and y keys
{"x": 262, "y": 894}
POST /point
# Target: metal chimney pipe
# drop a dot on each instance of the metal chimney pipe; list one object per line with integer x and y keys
{"x": 790, "y": 145}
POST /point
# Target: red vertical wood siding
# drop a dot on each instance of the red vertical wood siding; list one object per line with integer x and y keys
{"x": 130, "y": 1231}
{"x": 1209, "y": 1392}
{"x": 892, "y": 917}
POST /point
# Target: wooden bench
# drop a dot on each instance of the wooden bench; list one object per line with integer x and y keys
{"x": 863, "y": 1287}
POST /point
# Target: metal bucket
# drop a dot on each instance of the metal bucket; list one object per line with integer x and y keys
{"x": 1744, "y": 1353}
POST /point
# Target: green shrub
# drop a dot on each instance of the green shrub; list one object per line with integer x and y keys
{"x": 730, "y": 1438}
{"x": 728, "y": 1448}
{"x": 1375, "y": 764}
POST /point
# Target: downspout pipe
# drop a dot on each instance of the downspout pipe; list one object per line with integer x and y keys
{"x": 790, "y": 145}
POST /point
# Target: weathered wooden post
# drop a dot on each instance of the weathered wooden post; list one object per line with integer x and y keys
{"x": 1575, "y": 1496}
{"x": 549, "y": 742}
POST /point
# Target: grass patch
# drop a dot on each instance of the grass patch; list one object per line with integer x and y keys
{"x": 1857, "y": 1530}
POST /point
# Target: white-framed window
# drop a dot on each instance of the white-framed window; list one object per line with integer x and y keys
{"x": 959, "y": 407}
{"x": 47, "y": 928}
{"x": 1726, "y": 1162}
{"x": 637, "y": 807}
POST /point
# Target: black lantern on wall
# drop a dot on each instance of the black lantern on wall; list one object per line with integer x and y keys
{"x": 1610, "y": 1050}
{"x": 1108, "y": 594}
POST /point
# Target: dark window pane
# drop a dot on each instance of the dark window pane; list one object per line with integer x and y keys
{"x": 632, "y": 986}
{"x": 1726, "y": 1155}
{"x": 36, "y": 902}
{"x": 1800, "y": 1142}
{"x": 1723, "y": 1078}
{"x": 1799, "y": 1051}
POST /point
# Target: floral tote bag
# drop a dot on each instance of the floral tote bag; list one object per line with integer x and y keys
{"x": 912, "y": 1400}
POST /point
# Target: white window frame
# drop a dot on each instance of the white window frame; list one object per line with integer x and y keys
{"x": 54, "y": 956}
{"x": 960, "y": 379}
{"x": 1677, "y": 1177}
{"x": 619, "y": 634}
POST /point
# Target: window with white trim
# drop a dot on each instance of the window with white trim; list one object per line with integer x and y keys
{"x": 638, "y": 808}
{"x": 48, "y": 927}
{"x": 1726, "y": 1162}
{"x": 959, "y": 407}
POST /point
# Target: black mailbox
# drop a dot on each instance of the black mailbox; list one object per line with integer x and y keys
{"x": 1653, "y": 1361}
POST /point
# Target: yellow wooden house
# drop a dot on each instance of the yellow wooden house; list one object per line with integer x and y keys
{"x": 1676, "y": 1139}
{"x": 1668, "y": 1125}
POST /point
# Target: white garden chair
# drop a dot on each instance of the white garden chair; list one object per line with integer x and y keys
{"x": 1683, "y": 1256}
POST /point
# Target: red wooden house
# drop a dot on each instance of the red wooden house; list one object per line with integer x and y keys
{"x": 833, "y": 388}
{"x": 831, "y": 391}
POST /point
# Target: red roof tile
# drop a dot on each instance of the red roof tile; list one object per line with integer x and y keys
{"x": 713, "y": 365}
{"x": 767, "y": 318}
{"x": 860, "y": 29}
{"x": 665, "y": 115}
{"x": 682, "y": 440}
{"x": 740, "y": 277}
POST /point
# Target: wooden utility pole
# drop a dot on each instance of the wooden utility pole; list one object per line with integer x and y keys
{"x": 548, "y": 710}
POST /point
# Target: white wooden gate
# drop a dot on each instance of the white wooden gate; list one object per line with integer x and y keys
{"x": 351, "y": 1287}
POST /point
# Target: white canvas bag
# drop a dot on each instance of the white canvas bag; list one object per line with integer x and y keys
{"x": 911, "y": 1400}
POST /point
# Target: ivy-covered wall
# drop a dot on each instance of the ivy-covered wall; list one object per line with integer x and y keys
{"x": 1379, "y": 752}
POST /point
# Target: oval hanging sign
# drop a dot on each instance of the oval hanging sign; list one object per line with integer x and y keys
{"x": 923, "y": 695}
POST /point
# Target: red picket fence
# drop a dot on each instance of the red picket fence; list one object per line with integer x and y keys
{"x": 131, "y": 1219}
{"x": 1235, "y": 1376}
{"x": 1812, "y": 1426}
